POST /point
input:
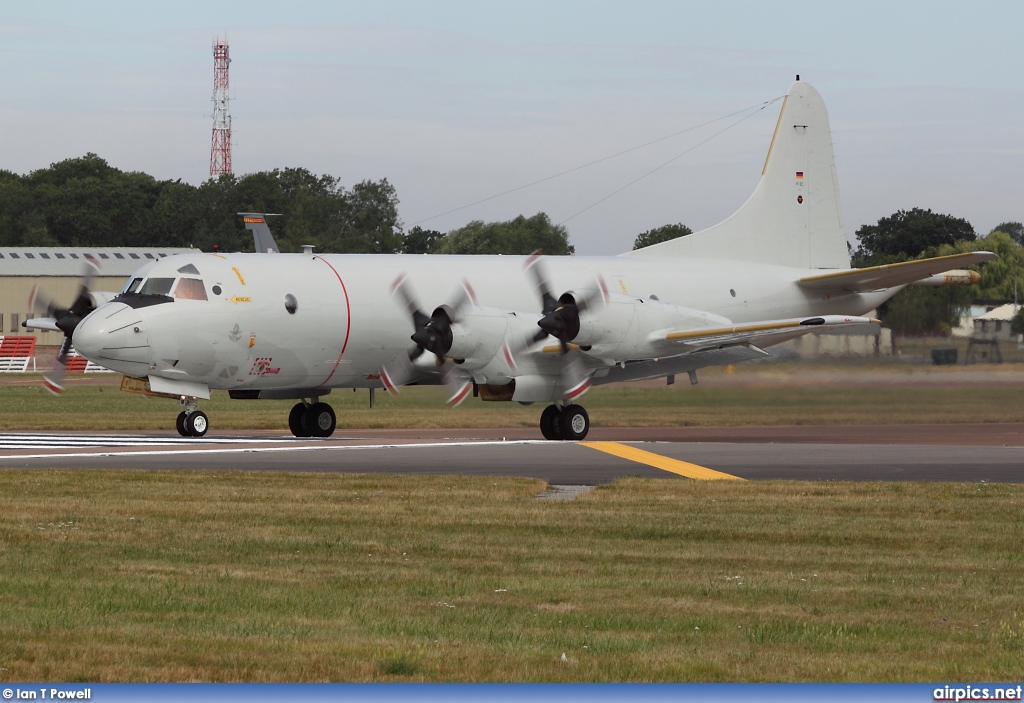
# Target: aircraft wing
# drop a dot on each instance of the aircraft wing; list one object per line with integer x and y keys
{"x": 762, "y": 333}
{"x": 890, "y": 275}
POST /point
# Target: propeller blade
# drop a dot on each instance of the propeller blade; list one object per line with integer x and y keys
{"x": 40, "y": 302}
{"x": 397, "y": 372}
{"x": 535, "y": 266}
{"x": 575, "y": 379}
{"x": 404, "y": 290}
{"x": 596, "y": 295}
{"x": 463, "y": 297}
{"x": 460, "y": 386}
{"x": 83, "y": 304}
{"x": 52, "y": 381}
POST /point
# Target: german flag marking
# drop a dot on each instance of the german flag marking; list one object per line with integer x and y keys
{"x": 681, "y": 468}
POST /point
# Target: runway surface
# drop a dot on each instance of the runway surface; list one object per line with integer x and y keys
{"x": 970, "y": 453}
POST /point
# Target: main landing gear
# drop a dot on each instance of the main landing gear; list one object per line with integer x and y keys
{"x": 192, "y": 422}
{"x": 314, "y": 419}
{"x": 564, "y": 422}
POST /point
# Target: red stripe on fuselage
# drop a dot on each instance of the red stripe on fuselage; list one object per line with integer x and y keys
{"x": 348, "y": 320}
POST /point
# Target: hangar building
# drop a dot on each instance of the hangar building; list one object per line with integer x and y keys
{"x": 58, "y": 271}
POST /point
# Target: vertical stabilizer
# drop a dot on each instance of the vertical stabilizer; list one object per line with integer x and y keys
{"x": 794, "y": 216}
{"x": 262, "y": 239}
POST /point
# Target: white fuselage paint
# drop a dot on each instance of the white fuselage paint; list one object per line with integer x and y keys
{"x": 348, "y": 324}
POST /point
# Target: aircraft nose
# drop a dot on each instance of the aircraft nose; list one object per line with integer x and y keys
{"x": 114, "y": 336}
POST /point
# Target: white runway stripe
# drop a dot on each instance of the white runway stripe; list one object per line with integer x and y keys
{"x": 74, "y": 441}
{"x": 254, "y": 450}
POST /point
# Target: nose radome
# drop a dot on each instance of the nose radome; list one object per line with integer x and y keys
{"x": 108, "y": 337}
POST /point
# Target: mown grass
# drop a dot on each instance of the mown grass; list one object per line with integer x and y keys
{"x": 233, "y": 576}
{"x": 103, "y": 407}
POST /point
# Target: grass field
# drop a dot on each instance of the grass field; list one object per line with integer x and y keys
{"x": 783, "y": 394}
{"x": 233, "y": 576}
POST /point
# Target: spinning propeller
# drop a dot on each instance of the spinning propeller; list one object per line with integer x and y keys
{"x": 560, "y": 317}
{"x": 64, "y": 320}
{"x": 430, "y": 334}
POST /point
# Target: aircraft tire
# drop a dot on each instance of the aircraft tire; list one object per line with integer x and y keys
{"x": 179, "y": 424}
{"x": 549, "y": 425}
{"x": 574, "y": 422}
{"x": 197, "y": 424}
{"x": 297, "y": 421}
{"x": 320, "y": 420}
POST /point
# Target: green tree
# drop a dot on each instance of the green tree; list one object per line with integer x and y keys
{"x": 1014, "y": 229}
{"x": 661, "y": 234}
{"x": 521, "y": 235}
{"x": 908, "y": 233}
{"x": 1017, "y": 323}
{"x": 420, "y": 241}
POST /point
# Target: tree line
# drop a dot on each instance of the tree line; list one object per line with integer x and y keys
{"x": 87, "y": 202}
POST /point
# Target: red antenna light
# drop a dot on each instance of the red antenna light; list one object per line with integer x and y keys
{"x": 220, "y": 148}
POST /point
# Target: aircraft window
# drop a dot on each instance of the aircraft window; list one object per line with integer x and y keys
{"x": 104, "y": 256}
{"x": 59, "y": 255}
{"x": 189, "y": 268}
{"x": 157, "y": 286}
{"x": 1, "y": 256}
{"x": 133, "y": 286}
{"x": 74, "y": 256}
{"x": 133, "y": 255}
{"x": 118, "y": 256}
{"x": 45, "y": 256}
{"x": 291, "y": 304}
{"x": 14, "y": 256}
{"x": 29, "y": 256}
{"x": 190, "y": 289}
{"x": 149, "y": 256}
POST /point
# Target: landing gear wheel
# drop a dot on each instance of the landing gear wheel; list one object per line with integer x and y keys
{"x": 549, "y": 425}
{"x": 320, "y": 420}
{"x": 297, "y": 421}
{"x": 575, "y": 423}
{"x": 180, "y": 424}
{"x": 197, "y": 423}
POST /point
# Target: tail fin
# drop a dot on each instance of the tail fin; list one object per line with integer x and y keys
{"x": 794, "y": 217}
{"x": 263, "y": 240}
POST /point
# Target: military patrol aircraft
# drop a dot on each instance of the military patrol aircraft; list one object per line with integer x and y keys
{"x": 501, "y": 328}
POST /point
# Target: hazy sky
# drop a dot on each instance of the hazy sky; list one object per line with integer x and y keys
{"x": 458, "y": 101}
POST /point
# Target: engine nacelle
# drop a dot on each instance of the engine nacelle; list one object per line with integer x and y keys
{"x": 101, "y": 297}
{"x": 630, "y": 328}
{"x": 477, "y": 335}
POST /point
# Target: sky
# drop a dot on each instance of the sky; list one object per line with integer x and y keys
{"x": 457, "y": 102}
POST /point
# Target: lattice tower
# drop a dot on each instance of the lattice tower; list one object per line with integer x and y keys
{"x": 220, "y": 146}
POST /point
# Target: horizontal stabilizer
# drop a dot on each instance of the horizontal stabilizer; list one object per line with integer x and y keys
{"x": 764, "y": 333}
{"x": 891, "y": 275}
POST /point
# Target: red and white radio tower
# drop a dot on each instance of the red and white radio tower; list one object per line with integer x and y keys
{"x": 220, "y": 149}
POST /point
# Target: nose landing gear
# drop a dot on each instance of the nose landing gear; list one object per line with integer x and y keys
{"x": 569, "y": 422}
{"x": 313, "y": 419}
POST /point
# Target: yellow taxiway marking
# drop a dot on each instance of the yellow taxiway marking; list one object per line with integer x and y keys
{"x": 683, "y": 468}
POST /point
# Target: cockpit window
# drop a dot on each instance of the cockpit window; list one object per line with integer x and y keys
{"x": 189, "y": 268}
{"x": 157, "y": 286}
{"x": 133, "y": 286}
{"x": 190, "y": 289}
